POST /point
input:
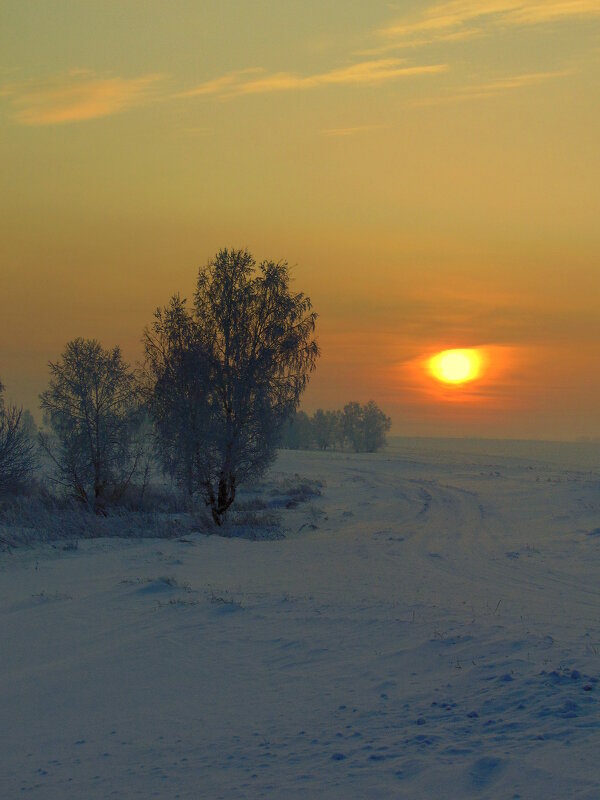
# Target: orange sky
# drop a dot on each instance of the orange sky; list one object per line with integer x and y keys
{"x": 430, "y": 170}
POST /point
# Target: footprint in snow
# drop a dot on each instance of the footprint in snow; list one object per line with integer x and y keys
{"x": 485, "y": 770}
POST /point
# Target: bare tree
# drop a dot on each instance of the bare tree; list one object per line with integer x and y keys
{"x": 325, "y": 426}
{"x": 241, "y": 358}
{"x": 338, "y": 431}
{"x": 352, "y": 425}
{"x": 375, "y": 425}
{"x": 177, "y": 393}
{"x": 17, "y": 445}
{"x": 297, "y": 432}
{"x": 91, "y": 408}
{"x": 365, "y": 427}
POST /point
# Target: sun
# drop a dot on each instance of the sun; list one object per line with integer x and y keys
{"x": 455, "y": 366}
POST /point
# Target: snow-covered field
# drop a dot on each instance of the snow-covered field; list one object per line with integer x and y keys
{"x": 429, "y": 628}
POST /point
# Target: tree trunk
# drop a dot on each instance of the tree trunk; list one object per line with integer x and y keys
{"x": 99, "y": 500}
{"x": 220, "y": 504}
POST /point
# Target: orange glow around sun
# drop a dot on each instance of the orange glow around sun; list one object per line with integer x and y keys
{"x": 455, "y": 366}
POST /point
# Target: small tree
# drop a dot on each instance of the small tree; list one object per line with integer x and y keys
{"x": 244, "y": 353}
{"x": 17, "y": 445}
{"x": 365, "y": 427}
{"x": 325, "y": 428}
{"x": 375, "y": 426}
{"x": 91, "y": 408}
{"x": 352, "y": 425}
{"x": 338, "y": 430}
{"x": 296, "y": 432}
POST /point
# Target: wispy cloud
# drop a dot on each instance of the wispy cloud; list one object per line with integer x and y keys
{"x": 223, "y": 84}
{"x": 363, "y": 73}
{"x": 458, "y": 19}
{"x": 481, "y": 91}
{"x": 391, "y": 44}
{"x": 79, "y": 95}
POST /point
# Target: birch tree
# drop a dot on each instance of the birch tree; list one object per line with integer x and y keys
{"x": 92, "y": 412}
{"x": 17, "y": 446}
{"x": 244, "y": 352}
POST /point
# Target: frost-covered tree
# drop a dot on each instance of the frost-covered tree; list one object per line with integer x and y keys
{"x": 325, "y": 426}
{"x": 352, "y": 425}
{"x": 91, "y": 407}
{"x": 338, "y": 431}
{"x": 296, "y": 432}
{"x": 375, "y": 426}
{"x": 244, "y": 352}
{"x": 177, "y": 391}
{"x": 17, "y": 445}
{"x": 365, "y": 427}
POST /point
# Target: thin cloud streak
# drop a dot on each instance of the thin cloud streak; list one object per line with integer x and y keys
{"x": 364, "y": 73}
{"x": 76, "y": 97}
{"x": 440, "y": 21}
{"x": 493, "y": 88}
{"x": 222, "y": 84}
{"x": 455, "y": 36}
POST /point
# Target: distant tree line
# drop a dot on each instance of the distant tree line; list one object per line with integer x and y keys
{"x": 220, "y": 377}
{"x": 361, "y": 428}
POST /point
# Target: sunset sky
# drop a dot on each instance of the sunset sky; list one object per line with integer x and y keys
{"x": 430, "y": 170}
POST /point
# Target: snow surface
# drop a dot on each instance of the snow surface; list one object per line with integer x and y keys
{"x": 428, "y": 629}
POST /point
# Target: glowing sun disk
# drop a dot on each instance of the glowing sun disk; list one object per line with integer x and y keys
{"x": 455, "y": 366}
